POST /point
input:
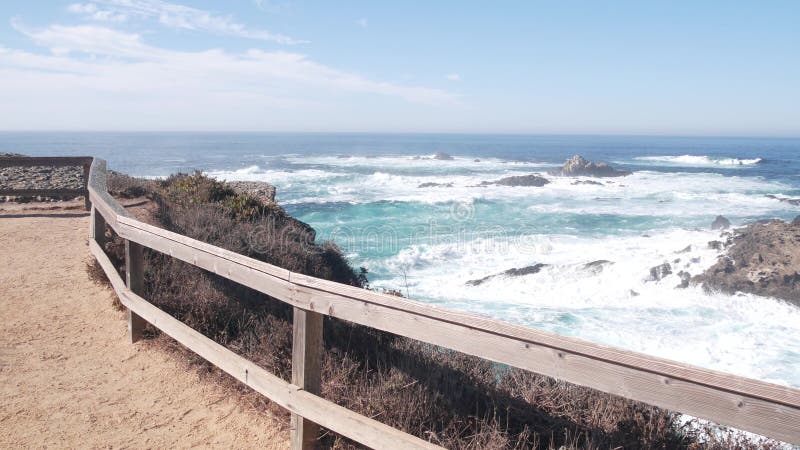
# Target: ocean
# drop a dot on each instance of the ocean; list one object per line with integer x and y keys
{"x": 363, "y": 192}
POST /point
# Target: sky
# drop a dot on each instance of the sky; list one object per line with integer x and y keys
{"x": 719, "y": 68}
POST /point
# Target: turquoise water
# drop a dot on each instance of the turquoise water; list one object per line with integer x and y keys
{"x": 362, "y": 191}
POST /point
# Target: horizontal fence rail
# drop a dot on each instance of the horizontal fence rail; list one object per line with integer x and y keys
{"x": 756, "y": 406}
{"x": 49, "y": 161}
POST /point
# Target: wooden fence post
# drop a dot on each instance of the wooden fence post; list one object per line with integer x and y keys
{"x": 306, "y": 372}
{"x": 134, "y": 271}
{"x": 86, "y": 201}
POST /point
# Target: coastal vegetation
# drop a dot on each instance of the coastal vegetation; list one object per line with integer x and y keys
{"x": 449, "y": 398}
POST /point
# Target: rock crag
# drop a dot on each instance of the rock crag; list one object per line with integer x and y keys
{"x": 578, "y": 166}
{"x": 762, "y": 258}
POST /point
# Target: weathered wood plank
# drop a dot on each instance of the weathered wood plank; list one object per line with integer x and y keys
{"x": 306, "y": 371}
{"x": 57, "y": 192}
{"x": 98, "y": 225}
{"x": 134, "y": 272}
{"x": 54, "y": 161}
{"x": 168, "y": 241}
{"x": 87, "y": 167}
{"x": 108, "y": 207}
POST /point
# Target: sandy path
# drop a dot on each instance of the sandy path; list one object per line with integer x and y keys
{"x": 69, "y": 378}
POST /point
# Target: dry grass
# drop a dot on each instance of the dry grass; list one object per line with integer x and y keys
{"x": 451, "y": 399}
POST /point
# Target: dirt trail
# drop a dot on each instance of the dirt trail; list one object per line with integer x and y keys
{"x": 68, "y": 376}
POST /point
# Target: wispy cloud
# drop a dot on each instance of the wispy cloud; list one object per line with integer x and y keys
{"x": 93, "y": 12}
{"x": 362, "y": 22}
{"x": 118, "y": 62}
{"x": 453, "y": 77}
{"x": 176, "y": 16}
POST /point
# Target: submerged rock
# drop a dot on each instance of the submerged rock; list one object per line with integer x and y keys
{"x": 791, "y": 201}
{"x": 523, "y": 180}
{"x": 764, "y": 259}
{"x": 597, "y": 266}
{"x": 578, "y": 166}
{"x": 428, "y": 185}
{"x": 595, "y": 183}
{"x": 442, "y": 156}
{"x": 531, "y": 180}
{"x": 720, "y": 223}
{"x": 528, "y": 270}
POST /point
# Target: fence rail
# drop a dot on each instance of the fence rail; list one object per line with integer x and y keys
{"x": 763, "y": 408}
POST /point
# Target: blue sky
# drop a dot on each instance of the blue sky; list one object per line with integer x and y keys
{"x": 686, "y": 68}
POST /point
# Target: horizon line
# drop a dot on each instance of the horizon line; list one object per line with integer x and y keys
{"x": 400, "y": 133}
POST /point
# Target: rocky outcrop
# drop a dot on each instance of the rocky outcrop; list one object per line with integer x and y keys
{"x": 578, "y": 166}
{"x": 528, "y": 270}
{"x": 764, "y": 259}
{"x": 264, "y": 192}
{"x": 531, "y": 180}
{"x": 720, "y": 223}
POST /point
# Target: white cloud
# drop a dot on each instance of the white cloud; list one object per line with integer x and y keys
{"x": 104, "y": 78}
{"x": 176, "y": 16}
{"x": 453, "y": 77}
{"x": 362, "y": 22}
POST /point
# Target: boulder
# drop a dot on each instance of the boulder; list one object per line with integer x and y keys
{"x": 720, "y": 223}
{"x": 528, "y": 270}
{"x": 685, "y": 277}
{"x": 578, "y": 166}
{"x": 660, "y": 271}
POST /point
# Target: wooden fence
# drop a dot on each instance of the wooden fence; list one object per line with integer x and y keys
{"x": 763, "y": 408}
{"x": 24, "y": 161}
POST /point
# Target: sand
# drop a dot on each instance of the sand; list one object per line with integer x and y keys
{"x": 69, "y": 377}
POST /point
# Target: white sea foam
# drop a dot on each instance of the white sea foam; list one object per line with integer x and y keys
{"x": 744, "y": 334}
{"x": 700, "y": 160}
